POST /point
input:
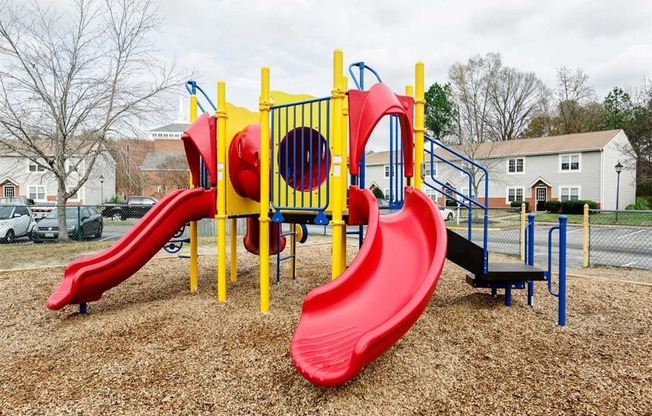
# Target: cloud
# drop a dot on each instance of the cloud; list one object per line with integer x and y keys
{"x": 230, "y": 40}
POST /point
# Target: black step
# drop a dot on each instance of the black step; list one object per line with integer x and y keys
{"x": 469, "y": 256}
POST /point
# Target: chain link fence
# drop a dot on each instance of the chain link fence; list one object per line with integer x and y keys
{"x": 503, "y": 231}
{"x": 620, "y": 238}
{"x": 615, "y": 238}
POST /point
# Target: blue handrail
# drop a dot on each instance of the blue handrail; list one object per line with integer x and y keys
{"x": 561, "y": 289}
{"x": 469, "y": 198}
{"x": 192, "y": 88}
{"x": 362, "y": 66}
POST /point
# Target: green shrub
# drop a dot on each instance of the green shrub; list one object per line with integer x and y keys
{"x": 451, "y": 203}
{"x": 115, "y": 199}
{"x": 639, "y": 205}
{"x": 577, "y": 207}
{"x": 552, "y": 206}
{"x": 517, "y": 204}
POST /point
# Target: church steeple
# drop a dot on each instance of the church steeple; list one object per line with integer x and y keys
{"x": 181, "y": 117}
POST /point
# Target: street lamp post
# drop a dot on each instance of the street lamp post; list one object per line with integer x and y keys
{"x": 619, "y": 168}
{"x": 101, "y": 189}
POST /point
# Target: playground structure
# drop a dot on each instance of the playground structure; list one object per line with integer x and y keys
{"x": 290, "y": 162}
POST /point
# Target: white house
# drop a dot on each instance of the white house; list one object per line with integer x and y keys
{"x": 569, "y": 167}
{"x": 20, "y": 176}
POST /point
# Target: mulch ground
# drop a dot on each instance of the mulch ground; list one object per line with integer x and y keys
{"x": 149, "y": 347}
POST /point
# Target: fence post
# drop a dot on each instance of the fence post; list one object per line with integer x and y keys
{"x": 585, "y": 243}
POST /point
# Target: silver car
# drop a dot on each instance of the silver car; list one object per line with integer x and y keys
{"x": 446, "y": 213}
{"x": 15, "y": 221}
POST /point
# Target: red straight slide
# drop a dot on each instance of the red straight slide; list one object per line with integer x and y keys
{"x": 347, "y": 323}
{"x": 86, "y": 279}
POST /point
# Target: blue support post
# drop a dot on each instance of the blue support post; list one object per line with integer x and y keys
{"x": 82, "y": 308}
{"x": 508, "y": 296}
{"x": 529, "y": 256}
{"x": 562, "y": 270}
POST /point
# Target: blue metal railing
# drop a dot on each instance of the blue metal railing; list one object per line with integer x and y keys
{"x": 396, "y": 165}
{"x": 361, "y": 180}
{"x": 560, "y": 294}
{"x": 359, "y": 84}
{"x": 561, "y": 289}
{"x": 192, "y": 88}
{"x": 465, "y": 200}
{"x": 289, "y": 162}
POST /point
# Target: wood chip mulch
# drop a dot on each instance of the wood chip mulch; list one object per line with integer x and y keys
{"x": 148, "y": 347}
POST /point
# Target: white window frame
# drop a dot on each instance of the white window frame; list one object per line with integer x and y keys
{"x": 36, "y": 193}
{"x": 515, "y": 188}
{"x": 516, "y": 171}
{"x": 386, "y": 171}
{"x": 569, "y": 188}
{"x": 386, "y": 193}
{"x": 570, "y": 162}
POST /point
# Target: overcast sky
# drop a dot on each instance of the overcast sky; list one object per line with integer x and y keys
{"x": 231, "y": 39}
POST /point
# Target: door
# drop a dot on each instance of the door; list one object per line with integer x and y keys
{"x": 541, "y": 198}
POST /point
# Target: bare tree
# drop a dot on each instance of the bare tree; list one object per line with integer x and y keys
{"x": 516, "y": 98}
{"x": 577, "y": 108}
{"x": 70, "y": 78}
{"x": 173, "y": 172}
{"x": 492, "y": 103}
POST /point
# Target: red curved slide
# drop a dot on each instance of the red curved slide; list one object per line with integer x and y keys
{"x": 85, "y": 280}
{"x": 347, "y": 323}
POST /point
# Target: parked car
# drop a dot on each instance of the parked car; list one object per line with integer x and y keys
{"x": 15, "y": 221}
{"x": 446, "y": 213}
{"x": 81, "y": 222}
{"x": 136, "y": 207}
{"x": 17, "y": 200}
{"x": 42, "y": 209}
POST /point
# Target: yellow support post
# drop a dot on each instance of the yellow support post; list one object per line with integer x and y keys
{"x": 264, "y": 107}
{"x": 344, "y": 180}
{"x": 338, "y": 173}
{"x": 523, "y": 225}
{"x": 233, "y": 228}
{"x": 221, "y": 191}
{"x": 419, "y": 129}
{"x": 585, "y": 243}
{"x": 293, "y": 250}
{"x": 194, "y": 268}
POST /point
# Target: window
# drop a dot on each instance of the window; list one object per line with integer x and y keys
{"x": 386, "y": 171}
{"x": 429, "y": 169}
{"x": 514, "y": 194}
{"x": 21, "y": 211}
{"x": 36, "y": 167}
{"x": 10, "y": 191}
{"x": 516, "y": 165}
{"x": 386, "y": 192}
{"x": 465, "y": 192}
{"x": 569, "y": 193}
{"x": 431, "y": 193}
{"x": 37, "y": 193}
{"x": 569, "y": 163}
